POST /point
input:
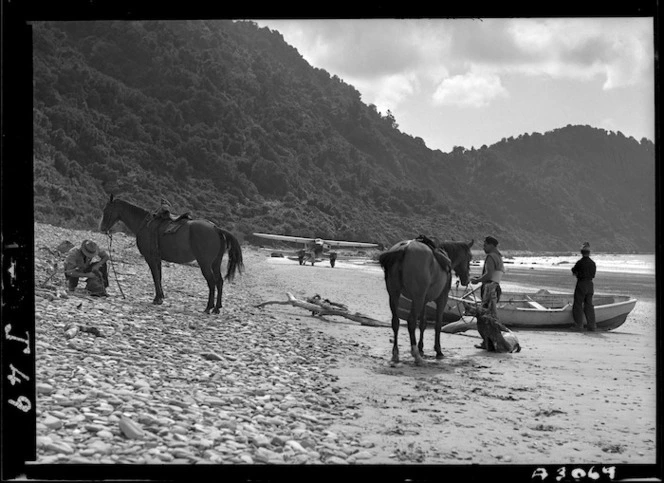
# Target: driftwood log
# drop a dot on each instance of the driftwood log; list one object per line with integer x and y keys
{"x": 319, "y": 307}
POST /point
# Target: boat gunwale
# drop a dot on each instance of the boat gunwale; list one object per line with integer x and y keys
{"x": 567, "y": 307}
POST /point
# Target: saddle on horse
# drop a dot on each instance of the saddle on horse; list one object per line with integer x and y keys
{"x": 171, "y": 223}
{"x": 439, "y": 252}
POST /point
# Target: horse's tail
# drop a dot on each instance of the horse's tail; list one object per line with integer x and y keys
{"x": 235, "y": 262}
{"x": 389, "y": 258}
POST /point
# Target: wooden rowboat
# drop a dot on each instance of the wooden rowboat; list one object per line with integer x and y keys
{"x": 540, "y": 310}
{"x": 454, "y": 309}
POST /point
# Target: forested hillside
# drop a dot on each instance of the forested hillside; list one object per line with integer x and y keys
{"x": 230, "y": 122}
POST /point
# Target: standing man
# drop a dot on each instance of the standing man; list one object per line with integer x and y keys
{"x": 78, "y": 264}
{"x": 584, "y": 271}
{"x": 492, "y": 274}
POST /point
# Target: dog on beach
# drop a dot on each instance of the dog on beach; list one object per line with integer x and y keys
{"x": 495, "y": 336}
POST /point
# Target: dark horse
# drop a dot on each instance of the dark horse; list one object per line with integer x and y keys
{"x": 412, "y": 270}
{"x": 199, "y": 240}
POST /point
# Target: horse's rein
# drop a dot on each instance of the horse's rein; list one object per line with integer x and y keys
{"x": 110, "y": 259}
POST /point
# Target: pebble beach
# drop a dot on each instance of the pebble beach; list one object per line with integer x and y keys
{"x": 170, "y": 385}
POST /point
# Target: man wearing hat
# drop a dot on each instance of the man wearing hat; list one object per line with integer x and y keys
{"x": 584, "y": 271}
{"x": 492, "y": 274}
{"x": 78, "y": 264}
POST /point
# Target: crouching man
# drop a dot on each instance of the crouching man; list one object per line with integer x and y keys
{"x": 79, "y": 264}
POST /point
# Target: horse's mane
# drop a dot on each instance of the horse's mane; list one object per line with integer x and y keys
{"x": 131, "y": 206}
{"x": 453, "y": 247}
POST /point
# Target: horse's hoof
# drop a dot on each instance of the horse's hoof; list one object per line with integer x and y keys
{"x": 419, "y": 361}
{"x": 440, "y": 356}
{"x": 216, "y": 311}
{"x": 206, "y": 311}
{"x": 157, "y": 301}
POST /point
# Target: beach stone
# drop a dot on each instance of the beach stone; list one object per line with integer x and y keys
{"x": 260, "y": 440}
{"x": 300, "y": 459}
{"x": 362, "y": 455}
{"x": 182, "y": 453}
{"x": 105, "y": 409}
{"x": 335, "y": 460}
{"x": 308, "y": 443}
{"x": 130, "y": 429}
{"x": 165, "y": 457}
{"x": 104, "y": 433}
{"x": 278, "y": 441}
{"x": 43, "y": 388}
{"x": 60, "y": 447}
{"x": 79, "y": 460}
{"x": 204, "y": 443}
{"x": 100, "y": 447}
{"x": 43, "y": 441}
{"x": 59, "y": 414}
{"x": 246, "y": 458}
{"x": 214, "y": 401}
{"x": 232, "y": 425}
{"x": 296, "y": 446}
{"x": 52, "y": 422}
{"x": 90, "y": 382}
{"x": 211, "y": 356}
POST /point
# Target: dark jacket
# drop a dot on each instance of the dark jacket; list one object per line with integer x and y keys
{"x": 584, "y": 269}
{"x": 76, "y": 261}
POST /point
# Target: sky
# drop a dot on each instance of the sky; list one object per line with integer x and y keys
{"x": 470, "y": 82}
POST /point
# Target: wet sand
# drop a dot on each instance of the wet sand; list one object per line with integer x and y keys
{"x": 565, "y": 398}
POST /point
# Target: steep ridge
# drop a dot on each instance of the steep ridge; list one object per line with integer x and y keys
{"x": 228, "y": 121}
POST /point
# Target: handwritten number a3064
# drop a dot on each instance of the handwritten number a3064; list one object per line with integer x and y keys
{"x": 576, "y": 474}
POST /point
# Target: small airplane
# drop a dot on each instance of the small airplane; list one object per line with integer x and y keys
{"x": 314, "y": 248}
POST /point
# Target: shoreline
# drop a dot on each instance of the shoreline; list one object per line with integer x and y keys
{"x": 528, "y": 278}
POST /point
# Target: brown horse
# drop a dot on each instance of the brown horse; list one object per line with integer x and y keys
{"x": 411, "y": 268}
{"x": 199, "y": 240}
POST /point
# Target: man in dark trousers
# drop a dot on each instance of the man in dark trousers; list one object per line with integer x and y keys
{"x": 584, "y": 271}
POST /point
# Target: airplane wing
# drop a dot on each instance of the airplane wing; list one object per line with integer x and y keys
{"x": 300, "y": 239}
{"x": 339, "y": 243}
{"x": 294, "y": 239}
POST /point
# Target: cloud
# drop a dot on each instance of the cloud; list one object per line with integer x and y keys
{"x": 469, "y": 90}
{"x": 359, "y": 48}
{"x": 389, "y": 90}
{"x": 389, "y": 60}
{"x": 617, "y": 49}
